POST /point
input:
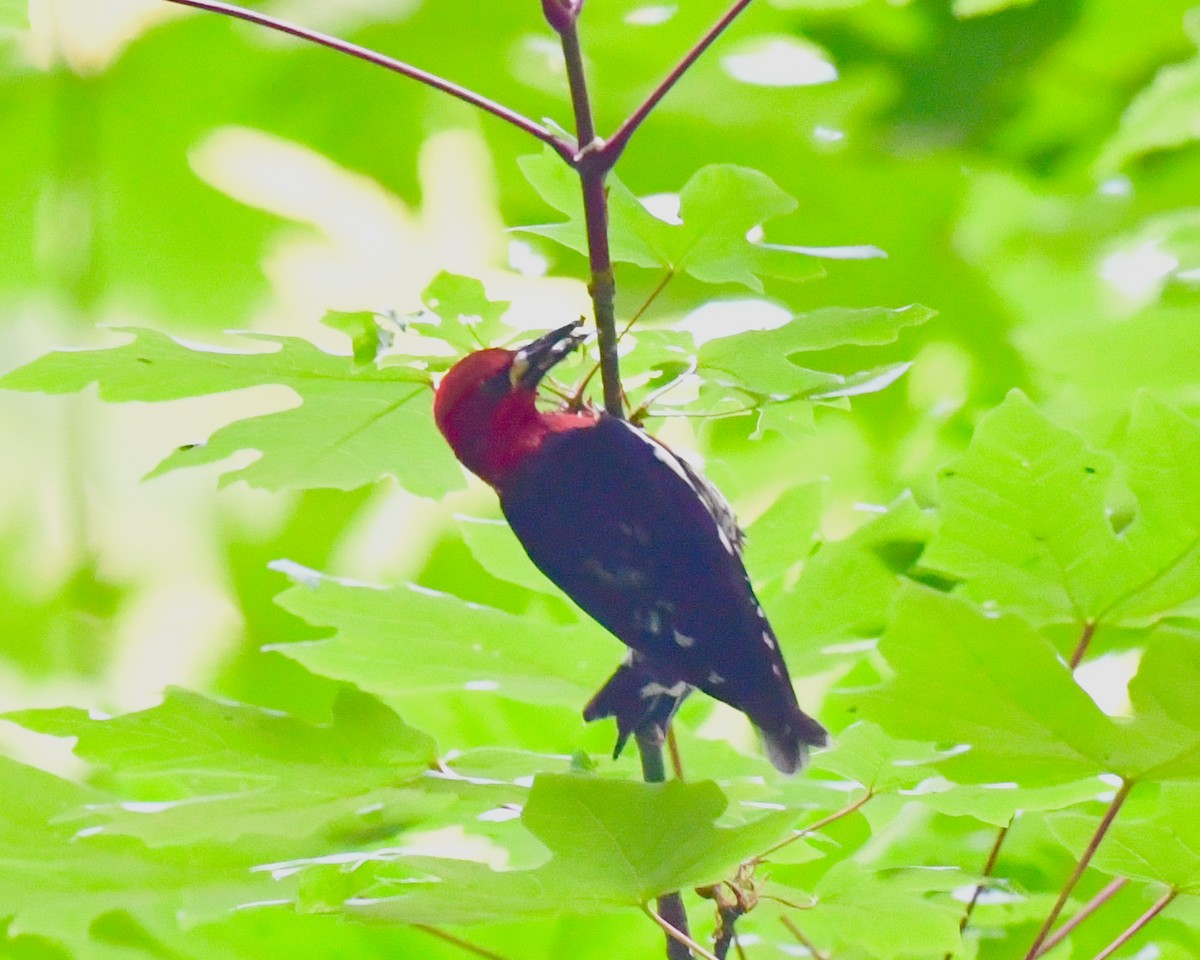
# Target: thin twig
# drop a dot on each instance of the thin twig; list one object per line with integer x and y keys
{"x": 677, "y": 935}
{"x": 620, "y": 140}
{"x": 673, "y": 751}
{"x": 727, "y": 931}
{"x": 659, "y": 288}
{"x": 1082, "y": 914}
{"x": 1085, "y": 638}
{"x": 988, "y": 867}
{"x": 1093, "y": 845}
{"x": 577, "y": 398}
{"x": 649, "y": 741}
{"x": 561, "y": 147}
{"x": 1159, "y": 906}
{"x": 730, "y": 911}
{"x": 459, "y": 942}
{"x": 804, "y": 941}
{"x": 814, "y": 827}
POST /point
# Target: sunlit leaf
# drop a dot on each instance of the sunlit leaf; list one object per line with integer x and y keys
{"x": 612, "y": 844}
{"x": 990, "y": 684}
{"x": 353, "y": 426}
{"x": 203, "y": 770}
{"x": 409, "y": 640}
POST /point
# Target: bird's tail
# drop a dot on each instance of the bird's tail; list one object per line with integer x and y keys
{"x": 636, "y": 695}
{"x": 787, "y": 744}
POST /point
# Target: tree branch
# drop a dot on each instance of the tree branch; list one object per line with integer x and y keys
{"x": 670, "y": 905}
{"x": 1159, "y": 906}
{"x": 592, "y": 173}
{"x": 676, "y": 935}
{"x": 814, "y": 827}
{"x": 1085, "y": 638}
{"x": 1093, "y": 845}
{"x": 459, "y": 942}
{"x": 620, "y": 140}
{"x": 804, "y": 941}
{"x": 988, "y": 867}
{"x": 536, "y": 130}
{"x": 1084, "y": 912}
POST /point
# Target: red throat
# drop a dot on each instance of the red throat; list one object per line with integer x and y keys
{"x": 518, "y": 431}
{"x": 493, "y": 435}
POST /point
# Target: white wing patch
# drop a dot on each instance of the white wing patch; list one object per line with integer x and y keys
{"x": 684, "y": 640}
{"x": 732, "y": 538}
{"x": 657, "y": 689}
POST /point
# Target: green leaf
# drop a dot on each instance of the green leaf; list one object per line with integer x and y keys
{"x": 612, "y": 844}
{"x": 1164, "y": 738}
{"x": 782, "y": 536}
{"x": 208, "y": 770}
{"x": 629, "y": 222}
{"x": 469, "y": 320}
{"x": 56, "y": 879}
{"x": 839, "y": 603}
{"x": 353, "y": 426}
{"x": 989, "y": 683}
{"x": 761, "y": 360}
{"x": 864, "y": 753}
{"x": 367, "y": 337}
{"x": 719, "y": 205}
{"x": 1161, "y": 456}
{"x": 411, "y": 640}
{"x": 500, "y": 553}
{"x": 1164, "y": 115}
{"x": 1025, "y": 520}
{"x": 998, "y": 803}
{"x": 886, "y": 914}
{"x": 1163, "y": 848}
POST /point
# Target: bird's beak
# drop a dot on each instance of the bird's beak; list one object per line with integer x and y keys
{"x": 534, "y": 360}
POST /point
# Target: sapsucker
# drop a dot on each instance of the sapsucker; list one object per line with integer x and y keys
{"x": 632, "y": 533}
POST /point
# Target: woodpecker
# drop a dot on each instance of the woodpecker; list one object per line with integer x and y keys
{"x": 635, "y": 536}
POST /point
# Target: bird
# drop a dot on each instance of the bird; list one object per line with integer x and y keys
{"x": 635, "y": 535}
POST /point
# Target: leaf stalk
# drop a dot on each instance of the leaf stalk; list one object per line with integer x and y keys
{"x": 558, "y": 144}
{"x": 1159, "y": 906}
{"x": 1093, "y": 845}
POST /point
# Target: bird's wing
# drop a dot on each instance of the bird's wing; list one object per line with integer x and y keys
{"x": 624, "y": 528}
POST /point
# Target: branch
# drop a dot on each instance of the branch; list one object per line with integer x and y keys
{"x": 620, "y": 140}
{"x": 670, "y": 905}
{"x": 1159, "y": 905}
{"x": 726, "y": 932}
{"x": 1093, "y": 845}
{"x": 459, "y": 942}
{"x": 677, "y": 935}
{"x": 1085, "y": 638}
{"x": 814, "y": 827}
{"x": 988, "y": 867}
{"x": 592, "y": 173}
{"x": 804, "y": 941}
{"x": 1084, "y": 912}
{"x": 536, "y": 130}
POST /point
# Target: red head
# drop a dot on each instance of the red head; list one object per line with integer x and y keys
{"x": 486, "y": 404}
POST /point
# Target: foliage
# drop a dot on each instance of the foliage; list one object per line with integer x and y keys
{"x": 969, "y": 469}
